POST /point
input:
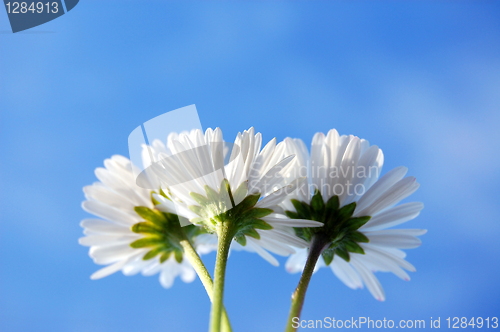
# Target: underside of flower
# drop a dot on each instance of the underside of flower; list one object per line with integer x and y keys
{"x": 240, "y": 211}
{"x": 162, "y": 234}
{"x": 339, "y": 234}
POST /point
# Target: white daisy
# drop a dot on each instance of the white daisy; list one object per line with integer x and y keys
{"x": 345, "y": 192}
{"x": 132, "y": 235}
{"x": 206, "y": 180}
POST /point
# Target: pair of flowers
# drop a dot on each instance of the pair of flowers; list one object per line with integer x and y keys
{"x": 198, "y": 193}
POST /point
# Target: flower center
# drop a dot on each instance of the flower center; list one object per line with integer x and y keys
{"x": 340, "y": 229}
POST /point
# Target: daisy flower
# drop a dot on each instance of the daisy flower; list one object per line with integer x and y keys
{"x": 206, "y": 180}
{"x": 132, "y": 235}
{"x": 232, "y": 194}
{"x": 357, "y": 207}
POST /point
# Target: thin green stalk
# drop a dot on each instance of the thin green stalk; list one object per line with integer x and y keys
{"x": 204, "y": 275}
{"x": 298, "y": 297}
{"x": 225, "y": 234}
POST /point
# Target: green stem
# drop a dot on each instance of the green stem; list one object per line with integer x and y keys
{"x": 204, "y": 275}
{"x": 225, "y": 234}
{"x": 298, "y": 297}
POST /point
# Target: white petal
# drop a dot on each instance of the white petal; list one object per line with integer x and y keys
{"x": 135, "y": 266}
{"x": 104, "y": 227}
{"x": 167, "y": 278}
{"x": 297, "y": 261}
{"x": 367, "y": 170}
{"x": 104, "y": 211}
{"x": 165, "y": 205}
{"x": 317, "y": 161}
{"x": 258, "y": 167}
{"x": 395, "y": 238}
{"x": 262, "y": 253}
{"x": 369, "y": 279}
{"x": 114, "y": 181}
{"x": 187, "y": 273}
{"x": 346, "y": 273}
{"x": 382, "y": 262}
{"x": 111, "y": 253}
{"x": 273, "y": 245}
{"x": 379, "y": 188}
{"x": 393, "y": 195}
{"x": 152, "y": 269}
{"x": 104, "y": 195}
{"x": 110, "y": 269}
{"x": 389, "y": 254}
{"x": 347, "y": 169}
{"x": 279, "y": 195}
{"x": 272, "y": 178}
{"x": 99, "y": 240}
{"x": 394, "y": 216}
{"x": 292, "y": 222}
{"x": 285, "y": 237}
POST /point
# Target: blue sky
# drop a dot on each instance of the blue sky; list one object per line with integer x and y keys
{"x": 419, "y": 79}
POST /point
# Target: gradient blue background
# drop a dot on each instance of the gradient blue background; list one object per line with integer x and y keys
{"x": 419, "y": 79}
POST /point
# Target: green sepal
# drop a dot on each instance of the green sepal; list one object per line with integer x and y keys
{"x": 339, "y": 237}
{"x": 241, "y": 191}
{"x": 328, "y": 256}
{"x": 302, "y": 209}
{"x": 355, "y": 223}
{"x": 261, "y": 224}
{"x": 154, "y": 216}
{"x": 333, "y": 203}
{"x": 165, "y": 256}
{"x": 317, "y": 203}
{"x": 147, "y": 242}
{"x": 200, "y": 199}
{"x": 359, "y": 237}
{"x": 305, "y": 233}
{"x": 225, "y": 191}
{"x": 346, "y": 211}
{"x": 178, "y": 256}
{"x": 352, "y": 246}
{"x": 258, "y": 213}
{"x": 248, "y": 202}
{"x": 252, "y": 233}
{"x": 146, "y": 227}
{"x": 199, "y": 211}
{"x": 212, "y": 195}
{"x": 342, "y": 254}
{"x": 241, "y": 239}
{"x": 152, "y": 253}
{"x": 292, "y": 215}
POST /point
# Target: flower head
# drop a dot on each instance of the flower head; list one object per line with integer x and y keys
{"x": 344, "y": 192}
{"x": 133, "y": 236}
{"x": 211, "y": 183}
